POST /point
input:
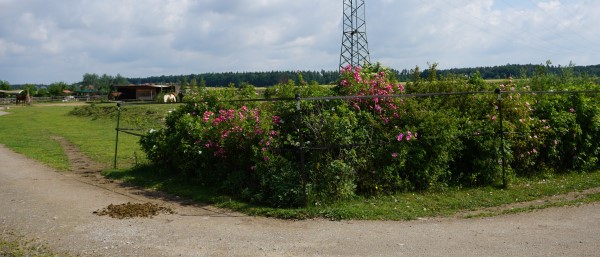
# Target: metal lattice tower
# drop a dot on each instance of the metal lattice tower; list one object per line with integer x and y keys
{"x": 355, "y": 48}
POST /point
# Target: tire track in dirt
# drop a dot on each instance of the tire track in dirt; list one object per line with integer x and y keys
{"x": 86, "y": 170}
{"x": 529, "y": 205}
{"x": 55, "y": 208}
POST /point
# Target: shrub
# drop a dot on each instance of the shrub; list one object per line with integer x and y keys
{"x": 378, "y": 140}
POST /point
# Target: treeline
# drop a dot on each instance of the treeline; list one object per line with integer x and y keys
{"x": 259, "y": 79}
{"x": 271, "y": 78}
{"x": 91, "y": 83}
{"x": 102, "y": 83}
{"x": 505, "y": 71}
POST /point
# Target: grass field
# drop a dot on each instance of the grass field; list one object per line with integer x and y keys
{"x": 30, "y": 131}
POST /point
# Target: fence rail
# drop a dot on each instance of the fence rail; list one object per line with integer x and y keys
{"x": 51, "y": 99}
{"x": 499, "y": 132}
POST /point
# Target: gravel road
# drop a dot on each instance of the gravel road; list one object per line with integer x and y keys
{"x": 57, "y": 208}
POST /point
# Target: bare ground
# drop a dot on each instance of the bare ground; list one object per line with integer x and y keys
{"x": 57, "y": 208}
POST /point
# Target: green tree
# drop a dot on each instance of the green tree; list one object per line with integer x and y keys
{"x": 300, "y": 79}
{"x": 56, "y": 88}
{"x": 120, "y": 80}
{"x": 416, "y": 74}
{"x": 183, "y": 82}
{"x": 432, "y": 71}
{"x": 475, "y": 79}
{"x": 104, "y": 84}
{"x": 73, "y": 87}
{"x": 42, "y": 92}
{"x": 202, "y": 82}
{"x": 90, "y": 79}
{"x": 32, "y": 89}
{"x": 193, "y": 86}
{"x": 4, "y": 85}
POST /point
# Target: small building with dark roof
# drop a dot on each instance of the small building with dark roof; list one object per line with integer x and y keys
{"x": 142, "y": 91}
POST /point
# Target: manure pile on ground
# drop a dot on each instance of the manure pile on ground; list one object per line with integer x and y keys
{"x": 133, "y": 210}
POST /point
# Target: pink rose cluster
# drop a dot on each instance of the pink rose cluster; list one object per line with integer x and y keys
{"x": 231, "y": 125}
{"x": 378, "y": 85}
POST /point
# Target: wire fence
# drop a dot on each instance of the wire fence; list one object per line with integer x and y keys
{"x": 501, "y": 130}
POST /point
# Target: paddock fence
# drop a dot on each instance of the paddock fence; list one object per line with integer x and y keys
{"x": 502, "y": 127}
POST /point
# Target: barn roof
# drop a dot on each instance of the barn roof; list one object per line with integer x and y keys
{"x": 143, "y": 85}
{"x": 12, "y": 92}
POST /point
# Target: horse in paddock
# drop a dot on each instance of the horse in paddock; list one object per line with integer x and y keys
{"x": 170, "y": 98}
{"x": 24, "y": 99}
{"x": 114, "y": 95}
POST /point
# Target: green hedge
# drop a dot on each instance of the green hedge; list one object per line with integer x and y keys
{"x": 385, "y": 140}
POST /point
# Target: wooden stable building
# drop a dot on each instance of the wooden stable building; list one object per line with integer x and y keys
{"x": 146, "y": 92}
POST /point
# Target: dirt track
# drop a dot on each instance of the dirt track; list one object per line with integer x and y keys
{"x": 57, "y": 209}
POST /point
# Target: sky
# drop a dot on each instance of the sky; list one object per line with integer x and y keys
{"x": 43, "y": 41}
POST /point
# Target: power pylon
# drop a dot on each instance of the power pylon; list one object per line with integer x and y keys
{"x": 355, "y": 48}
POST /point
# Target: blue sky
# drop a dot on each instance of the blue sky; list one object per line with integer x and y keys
{"x": 49, "y": 41}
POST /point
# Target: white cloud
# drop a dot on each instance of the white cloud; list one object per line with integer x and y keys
{"x": 48, "y": 41}
{"x": 551, "y": 6}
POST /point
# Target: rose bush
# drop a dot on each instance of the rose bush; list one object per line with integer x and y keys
{"x": 377, "y": 139}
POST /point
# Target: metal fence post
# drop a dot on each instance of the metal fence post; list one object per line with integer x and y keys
{"x": 117, "y": 130}
{"x": 501, "y": 132}
{"x": 301, "y": 149}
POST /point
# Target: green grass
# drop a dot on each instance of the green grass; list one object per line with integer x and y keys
{"x": 18, "y": 249}
{"x": 14, "y": 246}
{"x": 406, "y": 206}
{"x": 443, "y": 204}
{"x": 29, "y": 130}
